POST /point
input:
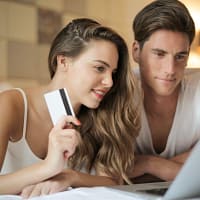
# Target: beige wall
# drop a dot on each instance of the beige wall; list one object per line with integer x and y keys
{"x": 24, "y": 38}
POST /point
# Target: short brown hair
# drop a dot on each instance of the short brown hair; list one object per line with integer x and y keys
{"x": 163, "y": 14}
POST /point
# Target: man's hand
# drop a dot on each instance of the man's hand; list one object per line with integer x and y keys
{"x": 161, "y": 168}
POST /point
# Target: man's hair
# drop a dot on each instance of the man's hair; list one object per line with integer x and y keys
{"x": 163, "y": 14}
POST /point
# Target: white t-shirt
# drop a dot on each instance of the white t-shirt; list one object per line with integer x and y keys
{"x": 185, "y": 130}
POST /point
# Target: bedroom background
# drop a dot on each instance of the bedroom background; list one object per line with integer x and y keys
{"x": 28, "y": 27}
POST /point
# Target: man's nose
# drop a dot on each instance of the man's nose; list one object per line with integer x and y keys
{"x": 170, "y": 66}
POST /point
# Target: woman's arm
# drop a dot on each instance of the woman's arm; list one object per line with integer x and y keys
{"x": 62, "y": 144}
{"x": 13, "y": 183}
{"x": 66, "y": 179}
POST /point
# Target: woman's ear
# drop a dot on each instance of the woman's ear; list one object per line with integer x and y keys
{"x": 136, "y": 51}
{"x": 62, "y": 62}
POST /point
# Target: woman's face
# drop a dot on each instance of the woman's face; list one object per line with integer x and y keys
{"x": 89, "y": 76}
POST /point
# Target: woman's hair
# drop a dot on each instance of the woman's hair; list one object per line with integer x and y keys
{"x": 163, "y": 14}
{"x": 108, "y": 132}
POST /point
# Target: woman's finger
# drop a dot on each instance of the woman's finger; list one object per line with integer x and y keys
{"x": 65, "y": 121}
{"x": 27, "y": 191}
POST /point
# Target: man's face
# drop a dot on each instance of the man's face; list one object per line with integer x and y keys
{"x": 162, "y": 61}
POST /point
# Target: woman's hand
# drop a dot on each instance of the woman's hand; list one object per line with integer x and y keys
{"x": 63, "y": 140}
{"x": 58, "y": 183}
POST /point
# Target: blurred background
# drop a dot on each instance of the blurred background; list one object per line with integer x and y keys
{"x": 28, "y": 27}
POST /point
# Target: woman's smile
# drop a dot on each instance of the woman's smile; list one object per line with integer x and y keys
{"x": 99, "y": 93}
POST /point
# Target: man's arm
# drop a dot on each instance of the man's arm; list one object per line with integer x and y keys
{"x": 181, "y": 158}
{"x": 158, "y": 167}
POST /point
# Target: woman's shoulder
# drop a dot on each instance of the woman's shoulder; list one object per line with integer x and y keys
{"x": 11, "y": 108}
{"x": 12, "y": 98}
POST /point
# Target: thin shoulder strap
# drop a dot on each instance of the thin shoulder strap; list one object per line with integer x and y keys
{"x": 25, "y": 109}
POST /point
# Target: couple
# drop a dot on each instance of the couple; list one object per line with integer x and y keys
{"x": 92, "y": 62}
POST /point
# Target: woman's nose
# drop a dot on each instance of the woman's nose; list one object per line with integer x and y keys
{"x": 108, "y": 80}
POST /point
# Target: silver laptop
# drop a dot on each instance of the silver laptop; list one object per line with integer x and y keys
{"x": 186, "y": 184}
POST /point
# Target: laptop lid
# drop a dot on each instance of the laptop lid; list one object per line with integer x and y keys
{"x": 187, "y": 182}
{"x": 185, "y": 185}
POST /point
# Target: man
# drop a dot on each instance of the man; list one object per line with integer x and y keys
{"x": 164, "y": 31}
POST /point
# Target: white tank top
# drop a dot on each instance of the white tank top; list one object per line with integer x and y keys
{"x": 19, "y": 154}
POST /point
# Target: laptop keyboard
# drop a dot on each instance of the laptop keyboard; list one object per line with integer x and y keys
{"x": 160, "y": 191}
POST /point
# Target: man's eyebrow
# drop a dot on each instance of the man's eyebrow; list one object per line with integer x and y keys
{"x": 184, "y": 52}
{"x": 163, "y": 51}
{"x": 159, "y": 50}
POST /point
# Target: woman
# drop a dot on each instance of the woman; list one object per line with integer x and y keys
{"x": 91, "y": 62}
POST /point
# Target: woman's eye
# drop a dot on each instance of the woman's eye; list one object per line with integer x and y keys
{"x": 114, "y": 72}
{"x": 100, "y": 69}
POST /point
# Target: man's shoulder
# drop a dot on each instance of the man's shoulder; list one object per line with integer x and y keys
{"x": 192, "y": 71}
{"x": 136, "y": 71}
{"x": 192, "y": 75}
{"x": 191, "y": 84}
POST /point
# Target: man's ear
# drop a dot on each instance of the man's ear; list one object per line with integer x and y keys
{"x": 136, "y": 51}
{"x": 63, "y": 62}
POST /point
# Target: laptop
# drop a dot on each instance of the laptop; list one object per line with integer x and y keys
{"x": 185, "y": 185}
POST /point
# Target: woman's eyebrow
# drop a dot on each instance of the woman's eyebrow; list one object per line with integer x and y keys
{"x": 102, "y": 62}
{"x": 105, "y": 63}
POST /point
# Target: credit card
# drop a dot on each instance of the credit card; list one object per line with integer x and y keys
{"x": 58, "y": 104}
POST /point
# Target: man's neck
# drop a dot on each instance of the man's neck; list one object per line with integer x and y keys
{"x": 163, "y": 106}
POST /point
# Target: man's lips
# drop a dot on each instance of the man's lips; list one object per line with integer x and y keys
{"x": 166, "y": 79}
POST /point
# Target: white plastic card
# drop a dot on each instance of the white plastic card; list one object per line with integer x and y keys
{"x": 58, "y": 104}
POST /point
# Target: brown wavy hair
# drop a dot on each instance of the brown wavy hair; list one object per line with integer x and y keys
{"x": 108, "y": 132}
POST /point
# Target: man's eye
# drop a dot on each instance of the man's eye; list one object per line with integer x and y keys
{"x": 160, "y": 54}
{"x": 181, "y": 57}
